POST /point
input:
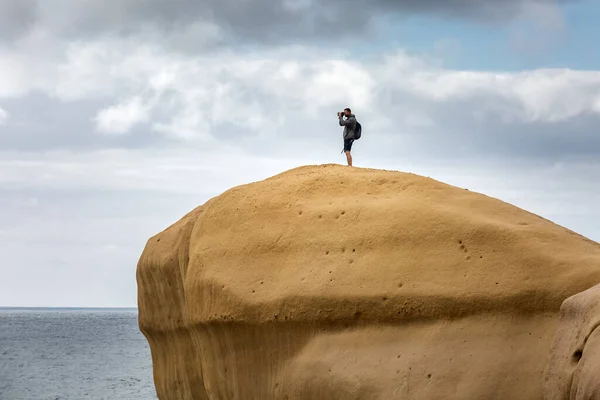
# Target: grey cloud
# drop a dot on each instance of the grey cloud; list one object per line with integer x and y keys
{"x": 265, "y": 20}
{"x": 40, "y": 123}
{"x": 16, "y": 17}
{"x": 456, "y": 133}
{"x": 459, "y": 130}
{"x": 476, "y": 127}
{"x": 262, "y": 21}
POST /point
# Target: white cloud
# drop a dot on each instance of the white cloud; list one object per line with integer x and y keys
{"x": 286, "y": 92}
{"x": 122, "y": 117}
{"x": 187, "y": 96}
{"x": 3, "y": 116}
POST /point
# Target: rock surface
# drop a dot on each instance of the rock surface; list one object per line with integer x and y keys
{"x": 573, "y": 372}
{"x": 330, "y": 282}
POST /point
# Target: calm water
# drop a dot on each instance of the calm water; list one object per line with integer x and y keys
{"x": 73, "y": 354}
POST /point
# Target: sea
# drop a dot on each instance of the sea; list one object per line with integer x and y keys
{"x": 74, "y": 354}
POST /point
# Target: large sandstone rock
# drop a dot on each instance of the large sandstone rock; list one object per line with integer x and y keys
{"x": 329, "y": 282}
{"x": 573, "y": 372}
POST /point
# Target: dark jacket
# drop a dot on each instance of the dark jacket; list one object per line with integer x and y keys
{"x": 349, "y": 125}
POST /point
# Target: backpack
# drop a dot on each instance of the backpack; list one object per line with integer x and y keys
{"x": 357, "y": 130}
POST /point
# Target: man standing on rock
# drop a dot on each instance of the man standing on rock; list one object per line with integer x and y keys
{"x": 349, "y": 125}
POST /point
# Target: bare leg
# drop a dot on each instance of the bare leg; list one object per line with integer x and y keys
{"x": 349, "y": 158}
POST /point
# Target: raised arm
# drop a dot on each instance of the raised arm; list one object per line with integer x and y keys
{"x": 350, "y": 121}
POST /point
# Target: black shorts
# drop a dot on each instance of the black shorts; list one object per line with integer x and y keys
{"x": 348, "y": 144}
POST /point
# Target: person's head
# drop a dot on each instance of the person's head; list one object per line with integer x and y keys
{"x": 347, "y": 112}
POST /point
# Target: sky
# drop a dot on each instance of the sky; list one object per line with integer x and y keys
{"x": 117, "y": 118}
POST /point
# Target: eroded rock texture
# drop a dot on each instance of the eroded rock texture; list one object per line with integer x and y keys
{"x": 329, "y": 282}
{"x": 573, "y": 372}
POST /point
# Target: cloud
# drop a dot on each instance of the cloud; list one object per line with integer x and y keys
{"x": 214, "y": 22}
{"x": 16, "y": 17}
{"x": 268, "y": 101}
{"x": 3, "y": 116}
{"x": 122, "y": 117}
